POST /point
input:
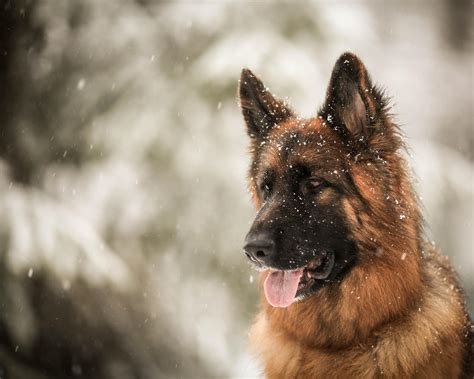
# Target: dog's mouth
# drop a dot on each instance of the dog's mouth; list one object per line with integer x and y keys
{"x": 283, "y": 287}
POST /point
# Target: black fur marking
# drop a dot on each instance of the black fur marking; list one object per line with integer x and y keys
{"x": 301, "y": 227}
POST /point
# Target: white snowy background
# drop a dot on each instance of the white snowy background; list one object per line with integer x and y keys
{"x": 125, "y": 198}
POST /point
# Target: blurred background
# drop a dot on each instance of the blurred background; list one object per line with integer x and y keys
{"x": 123, "y": 159}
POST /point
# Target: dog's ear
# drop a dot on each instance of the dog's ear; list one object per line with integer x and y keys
{"x": 354, "y": 106}
{"x": 260, "y": 109}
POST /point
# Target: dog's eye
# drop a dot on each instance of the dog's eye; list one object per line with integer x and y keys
{"x": 266, "y": 189}
{"x": 313, "y": 184}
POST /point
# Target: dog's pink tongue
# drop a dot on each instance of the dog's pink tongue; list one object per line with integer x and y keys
{"x": 280, "y": 287}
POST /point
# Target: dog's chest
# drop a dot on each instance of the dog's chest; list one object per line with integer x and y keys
{"x": 277, "y": 354}
{"x": 283, "y": 357}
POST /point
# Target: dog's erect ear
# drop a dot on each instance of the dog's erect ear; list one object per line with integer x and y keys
{"x": 260, "y": 109}
{"x": 353, "y": 105}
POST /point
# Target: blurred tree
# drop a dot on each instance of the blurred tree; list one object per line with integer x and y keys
{"x": 51, "y": 326}
{"x": 18, "y": 35}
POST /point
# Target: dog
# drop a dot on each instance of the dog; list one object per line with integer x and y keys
{"x": 351, "y": 289}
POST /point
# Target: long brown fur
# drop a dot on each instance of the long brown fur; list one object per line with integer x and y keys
{"x": 398, "y": 313}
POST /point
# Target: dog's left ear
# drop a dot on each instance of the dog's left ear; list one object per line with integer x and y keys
{"x": 353, "y": 106}
{"x": 260, "y": 109}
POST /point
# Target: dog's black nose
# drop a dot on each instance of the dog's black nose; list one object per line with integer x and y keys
{"x": 259, "y": 247}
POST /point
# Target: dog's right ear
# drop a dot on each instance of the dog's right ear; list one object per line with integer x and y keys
{"x": 260, "y": 109}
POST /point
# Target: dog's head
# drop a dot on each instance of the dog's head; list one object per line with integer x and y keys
{"x": 312, "y": 181}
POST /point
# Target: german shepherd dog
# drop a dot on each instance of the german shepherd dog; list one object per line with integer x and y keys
{"x": 351, "y": 288}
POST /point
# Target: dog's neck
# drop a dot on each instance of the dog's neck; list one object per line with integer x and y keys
{"x": 341, "y": 315}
